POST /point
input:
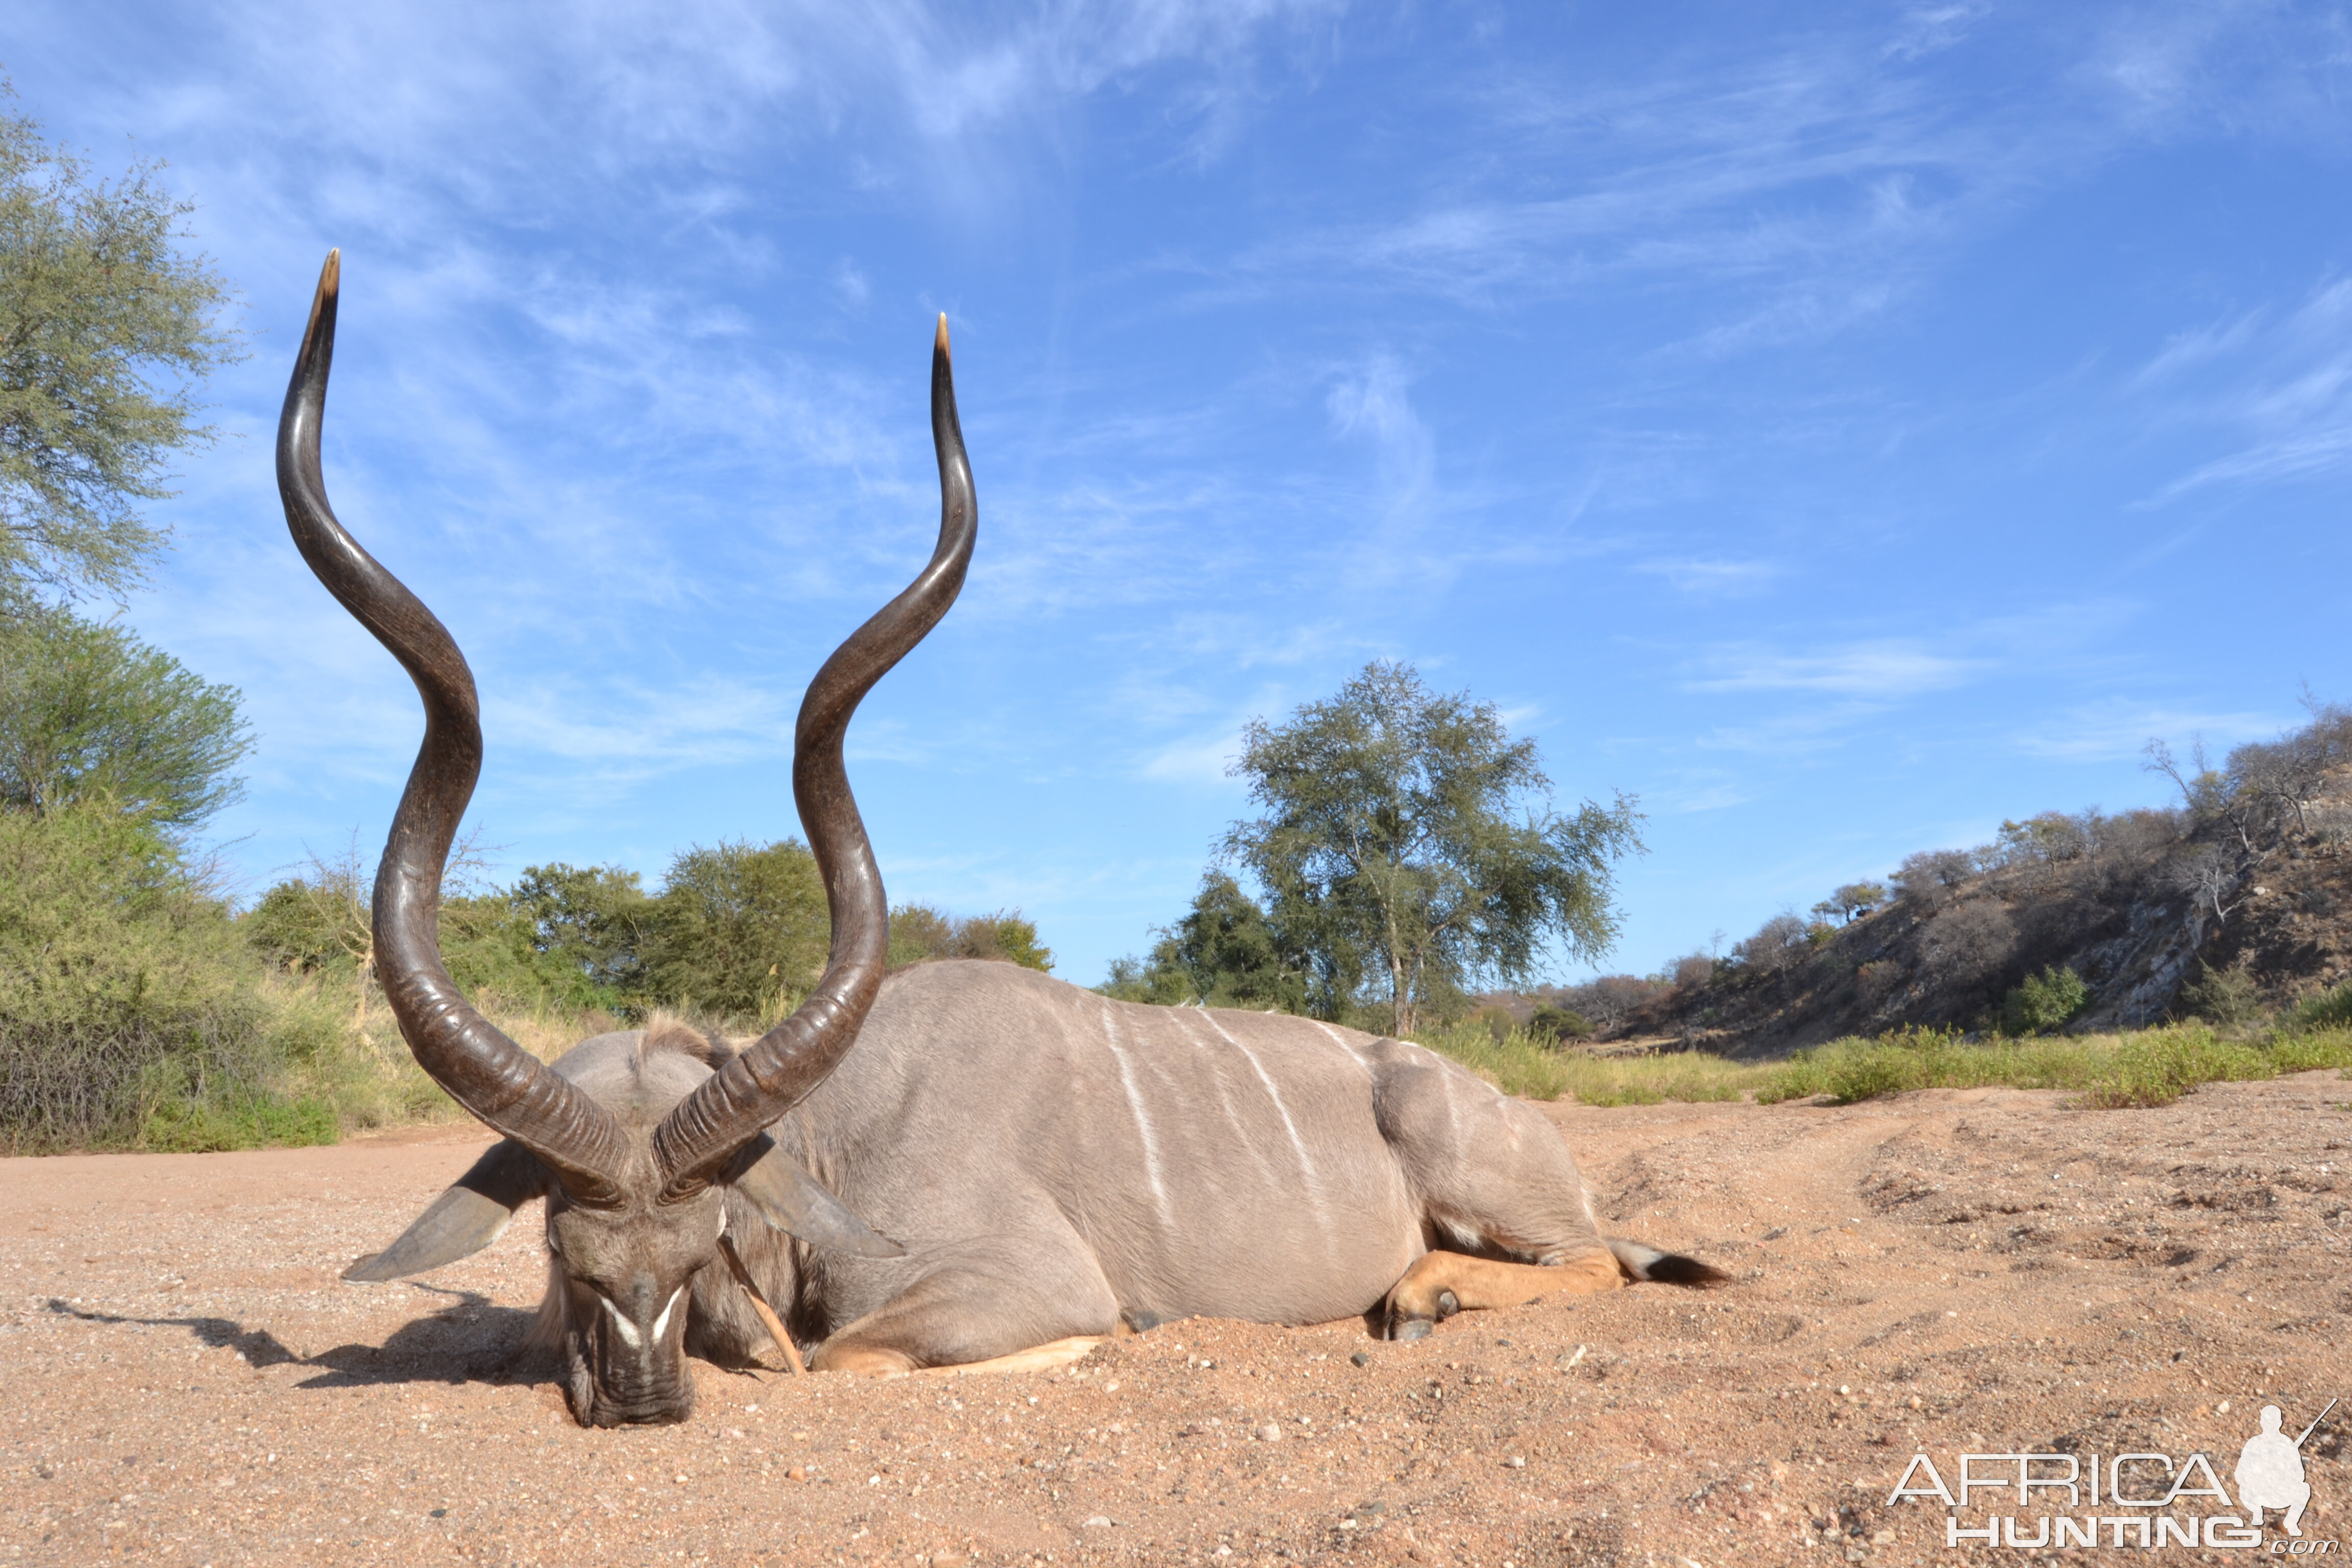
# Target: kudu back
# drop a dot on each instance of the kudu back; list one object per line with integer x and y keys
{"x": 1047, "y": 1166}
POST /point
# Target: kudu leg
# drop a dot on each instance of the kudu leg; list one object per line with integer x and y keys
{"x": 1443, "y": 1283}
{"x": 978, "y": 1320}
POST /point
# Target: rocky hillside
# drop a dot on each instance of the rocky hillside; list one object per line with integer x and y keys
{"x": 2236, "y": 902}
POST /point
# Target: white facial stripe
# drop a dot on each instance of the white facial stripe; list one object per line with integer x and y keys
{"x": 629, "y": 1335}
{"x": 662, "y": 1321}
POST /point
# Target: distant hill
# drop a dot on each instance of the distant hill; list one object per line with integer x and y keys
{"x": 2236, "y": 902}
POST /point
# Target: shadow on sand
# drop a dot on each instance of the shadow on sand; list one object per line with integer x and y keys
{"x": 465, "y": 1339}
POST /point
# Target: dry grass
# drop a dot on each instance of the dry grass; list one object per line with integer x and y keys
{"x": 2146, "y": 1068}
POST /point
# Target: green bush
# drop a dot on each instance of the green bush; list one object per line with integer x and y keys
{"x": 2044, "y": 1003}
{"x": 2329, "y": 1010}
{"x": 2223, "y": 995}
{"x": 1853, "y": 1069}
{"x": 1553, "y": 1025}
{"x": 127, "y": 994}
{"x": 2161, "y": 1066}
{"x": 2153, "y": 1067}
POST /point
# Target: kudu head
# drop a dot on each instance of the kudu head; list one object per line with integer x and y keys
{"x": 636, "y": 1159}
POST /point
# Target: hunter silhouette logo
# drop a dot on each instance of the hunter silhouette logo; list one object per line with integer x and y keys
{"x": 2269, "y": 1471}
{"x": 2127, "y": 1500}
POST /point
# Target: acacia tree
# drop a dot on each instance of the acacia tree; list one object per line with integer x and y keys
{"x": 89, "y": 714}
{"x": 106, "y": 327}
{"x": 1407, "y": 834}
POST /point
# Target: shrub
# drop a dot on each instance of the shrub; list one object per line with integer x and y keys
{"x": 2329, "y": 1010}
{"x": 2223, "y": 995}
{"x": 129, "y": 1009}
{"x": 1965, "y": 945}
{"x": 1552, "y": 1025}
{"x": 2161, "y": 1066}
{"x": 1693, "y": 970}
{"x": 2044, "y": 1002}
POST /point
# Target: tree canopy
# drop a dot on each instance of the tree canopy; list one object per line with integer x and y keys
{"x": 89, "y": 713}
{"x": 1407, "y": 835}
{"x": 918, "y": 932}
{"x": 1225, "y": 952}
{"x": 107, "y": 327}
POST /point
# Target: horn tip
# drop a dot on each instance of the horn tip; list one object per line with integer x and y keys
{"x": 939, "y": 343}
{"x": 330, "y": 276}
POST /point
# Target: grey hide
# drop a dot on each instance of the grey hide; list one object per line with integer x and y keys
{"x": 1054, "y": 1162}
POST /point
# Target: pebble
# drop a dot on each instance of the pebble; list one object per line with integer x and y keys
{"x": 1269, "y": 1433}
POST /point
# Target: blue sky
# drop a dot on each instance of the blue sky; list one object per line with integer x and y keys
{"x": 1840, "y": 426}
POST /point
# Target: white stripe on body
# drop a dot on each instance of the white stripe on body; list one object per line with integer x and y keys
{"x": 1297, "y": 1145}
{"x": 1242, "y": 1136}
{"x": 1142, "y": 1118}
{"x": 1355, "y": 1052}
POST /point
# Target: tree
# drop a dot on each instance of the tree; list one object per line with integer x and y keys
{"x": 1929, "y": 878}
{"x": 1693, "y": 970}
{"x": 1225, "y": 952}
{"x": 1778, "y": 944}
{"x": 89, "y": 713}
{"x": 1857, "y": 899}
{"x": 739, "y": 931}
{"x": 1389, "y": 842}
{"x": 590, "y": 918}
{"x": 1608, "y": 1000}
{"x": 2209, "y": 875}
{"x": 2214, "y": 797}
{"x": 106, "y": 329}
{"x": 918, "y": 932}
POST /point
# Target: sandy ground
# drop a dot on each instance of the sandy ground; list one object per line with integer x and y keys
{"x": 188, "y": 1383}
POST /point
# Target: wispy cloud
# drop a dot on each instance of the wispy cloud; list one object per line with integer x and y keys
{"x": 1715, "y": 577}
{"x": 1808, "y": 731}
{"x": 2117, "y": 729}
{"x": 1199, "y": 760}
{"x": 1883, "y": 668}
{"x": 1371, "y": 403}
{"x": 2282, "y": 386}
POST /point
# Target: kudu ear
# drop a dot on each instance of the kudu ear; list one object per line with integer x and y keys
{"x": 797, "y": 1202}
{"x": 462, "y": 1220}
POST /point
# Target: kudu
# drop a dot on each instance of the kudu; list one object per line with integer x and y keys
{"x": 1053, "y": 1166}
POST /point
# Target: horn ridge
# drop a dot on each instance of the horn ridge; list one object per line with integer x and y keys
{"x": 780, "y": 1068}
{"x": 482, "y": 1069}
